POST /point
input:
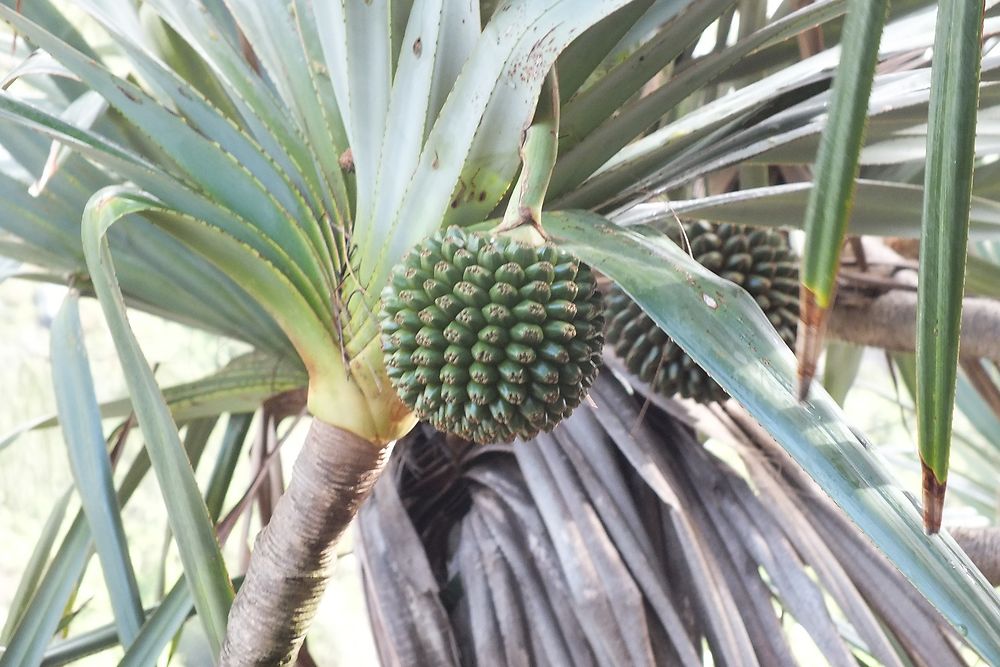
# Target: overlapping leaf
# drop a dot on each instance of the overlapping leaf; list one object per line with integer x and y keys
{"x": 722, "y": 328}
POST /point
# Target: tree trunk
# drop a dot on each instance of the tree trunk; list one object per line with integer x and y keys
{"x": 983, "y": 548}
{"x": 291, "y": 559}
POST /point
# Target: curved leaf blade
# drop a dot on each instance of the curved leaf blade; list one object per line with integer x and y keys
{"x": 215, "y": 169}
{"x": 723, "y": 329}
{"x": 186, "y": 511}
{"x": 287, "y": 54}
{"x": 178, "y": 195}
{"x": 681, "y": 24}
{"x": 41, "y": 618}
{"x": 163, "y": 625}
{"x": 198, "y": 25}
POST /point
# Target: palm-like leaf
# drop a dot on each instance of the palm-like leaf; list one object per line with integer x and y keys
{"x": 223, "y": 171}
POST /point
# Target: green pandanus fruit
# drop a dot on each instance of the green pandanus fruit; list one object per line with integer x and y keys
{"x": 491, "y": 339}
{"x": 758, "y": 260}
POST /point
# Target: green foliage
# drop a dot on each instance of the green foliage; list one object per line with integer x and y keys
{"x": 261, "y": 167}
{"x": 951, "y": 152}
{"x": 836, "y": 167}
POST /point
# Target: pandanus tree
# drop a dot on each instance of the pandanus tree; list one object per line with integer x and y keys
{"x": 356, "y": 188}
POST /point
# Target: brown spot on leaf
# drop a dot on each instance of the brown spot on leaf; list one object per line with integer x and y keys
{"x": 418, "y": 47}
{"x": 127, "y": 93}
{"x": 346, "y": 161}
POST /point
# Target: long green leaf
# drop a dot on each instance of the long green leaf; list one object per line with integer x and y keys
{"x": 492, "y": 160}
{"x": 175, "y": 608}
{"x": 291, "y": 59}
{"x": 29, "y": 150}
{"x": 35, "y": 567}
{"x": 600, "y": 144}
{"x": 230, "y": 139}
{"x": 50, "y": 224}
{"x": 836, "y": 167}
{"x": 40, "y": 620}
{"x": 241, "y": 386}
{"x": 898, "y": 138}
{"x": 170, "y": 47}
{"x": 369, "y": 63}
{"x": 202, "y": 28}
{"x": 470, "y": 155}
{"x": 581, "y": 59}
{"x": 88, "y": 457}
{"x": 196, "y": 435}
{"x": 170, "y": 613}
{"x": 225, "y": 463}
{"x": 683, "y": 24}
{"x": 407, "y": 117}
{"x": 42, "y": 617}
{"x": 687, "y": 148}
{"x": 312, "y": 338}
{"x": 83, "y": 112}
{"x": 336, "y": 194}
{"x": 164, "y": 622}
{"x": 78, "y": 647}
{"x": 36, "y": 220}
{"x": 723, "y": 329}
{"x": 951, "y": 148}
{"x": 881, "y": 209}
{"x": 189, "y": 520}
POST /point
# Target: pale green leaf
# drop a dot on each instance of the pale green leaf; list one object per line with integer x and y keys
{"x": 35, "y": 567}
{"x": 723, "y": 329}
{"x": 91, "y": 467}
{"x": 881, "y": 209}
{"x": 842, "y": 363}
{"x": 189, "y": 520}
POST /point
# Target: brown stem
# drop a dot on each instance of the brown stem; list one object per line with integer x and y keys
{"x": 890, "y": 321}
{"x": 982, "y": 382}
{"x": 983, "y": 547}
{"x": 291, "y": 559}
{"x": 810, "y": 41}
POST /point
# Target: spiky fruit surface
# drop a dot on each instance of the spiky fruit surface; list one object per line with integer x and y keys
{"x": 758, "y": 260}
{"x": 491, "y": 339}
